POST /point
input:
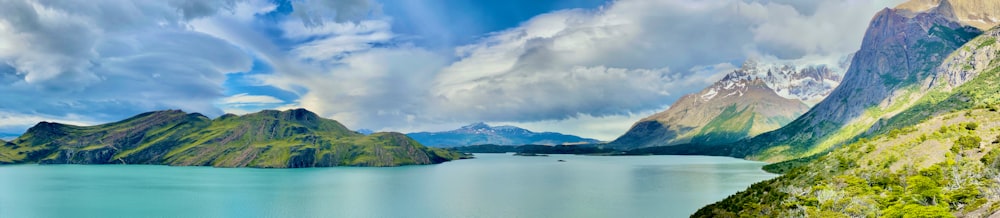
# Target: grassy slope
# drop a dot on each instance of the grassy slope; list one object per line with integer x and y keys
{"x": 295, "y": 138}
{"x": 936, "y": 157}
{"x": 927, "y": 168}
{"x": 59, "y": 143}
{"x": 731, "y": 125}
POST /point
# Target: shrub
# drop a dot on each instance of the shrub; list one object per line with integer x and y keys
{"x": 971, "y": 125}
{"x": 968, "y": 142}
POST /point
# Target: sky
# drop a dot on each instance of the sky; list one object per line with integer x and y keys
{"x": 585, "y": 67}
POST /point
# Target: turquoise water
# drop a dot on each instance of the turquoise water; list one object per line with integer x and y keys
{"x": 492, "y": 185}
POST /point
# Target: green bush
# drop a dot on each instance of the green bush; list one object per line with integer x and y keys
{"x": 916, "y": 210}
{"x": 971, "y": 125}
{"x": 968, "y": 142}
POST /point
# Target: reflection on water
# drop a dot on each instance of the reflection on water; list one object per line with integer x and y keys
{"x": 492, "y": 185}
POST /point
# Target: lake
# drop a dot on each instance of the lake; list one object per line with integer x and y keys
{"x": 491, "y": 185}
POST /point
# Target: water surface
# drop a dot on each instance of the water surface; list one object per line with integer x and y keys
{"x": 492, "y": 185}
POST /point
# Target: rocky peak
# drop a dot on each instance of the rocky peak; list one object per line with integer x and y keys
{"x": 476, "y": 126}
{"x": 982, "y": 14}
{"x": 809, "y": 84}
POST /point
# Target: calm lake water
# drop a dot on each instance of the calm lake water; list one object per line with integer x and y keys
{"x": 492, "y": 185}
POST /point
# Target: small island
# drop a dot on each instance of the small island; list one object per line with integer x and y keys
{"x": 531, "y": 155}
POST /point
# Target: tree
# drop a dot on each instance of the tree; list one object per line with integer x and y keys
{"x": 924, "y": 190}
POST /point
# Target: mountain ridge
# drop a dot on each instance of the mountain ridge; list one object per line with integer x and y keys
{"x": 751, "y": 100}
{"x": 266, "y": 139}
{"x": 481, "y": 133}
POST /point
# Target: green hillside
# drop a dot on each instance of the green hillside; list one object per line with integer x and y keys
{"x": 270, "y": 139}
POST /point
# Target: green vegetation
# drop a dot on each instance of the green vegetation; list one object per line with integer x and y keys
{"x": 268, "y": 139}
{"x": 788, "y": 165}
{"x": 926, "y": 161}
{"x": 986, "y": 42}
{"x": 731, "y": 125}
{"x": 906, "y": 174}
{"x": 967, "y": 142}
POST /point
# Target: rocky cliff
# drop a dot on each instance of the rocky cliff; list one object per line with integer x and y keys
{"x": 982, "y": 14}
{"x": 900, "y": 51}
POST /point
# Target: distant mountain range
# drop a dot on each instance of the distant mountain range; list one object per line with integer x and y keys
{"x": 480, "y": 133}
{"x": 754, "y": 99}
{"x": 8, "y": 136}
{"x": 266, "y": 139}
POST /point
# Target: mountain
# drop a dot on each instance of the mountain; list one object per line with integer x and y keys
{"x": 939, "y": 157}
{"x": 982, "y": 14}
{"x": 899, "y": 54}
{"x": 365, "y": 131}
{"x": 8, "y": 136}
{"x": 748, "y": 101}
{"x": 480, "y": 133}
{"x": 267, "y": 139}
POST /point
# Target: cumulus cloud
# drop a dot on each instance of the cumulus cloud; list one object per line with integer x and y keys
{"x": 569, "y": 70}
{"x": 244, "y": 98}
{"x": 109, "y": 59}
{"x": 627, "y": 57}
{"x": 15, "y": 122}
{"x": 632, "y": 56}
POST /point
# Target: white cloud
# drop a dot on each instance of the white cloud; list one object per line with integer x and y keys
{"x": 615, "y": 60}
{"x": 626, "y": 58}
{"x": 588, "y": 69}
{"x": 605, "y": 128}
{"x": 11, "y": 122}
{"x": 107, "y": 59}
{"x": 245, "y": 98}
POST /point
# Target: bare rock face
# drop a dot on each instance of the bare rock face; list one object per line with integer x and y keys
{"x": 982, "y": 14}
{"x": 966, "y": 64}
{"x": 901, "y": 48}
{"x": 749, "y": 101}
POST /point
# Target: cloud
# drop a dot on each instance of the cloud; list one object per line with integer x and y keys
{"x": 604, "y": 128}
{"x": 342, "y": 59}
{"x": 245, "y": 98}
{"x": 632, "y": 56}
{"x": 17, "y": 122}
{"x": 625, "y": 58}
{"x": 109, "y": 59}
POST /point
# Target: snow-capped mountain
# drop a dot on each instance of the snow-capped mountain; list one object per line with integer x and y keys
{"x": 808, "y": 84}
{"x": 756, "y": 98}
{"x": 481, "y": 133}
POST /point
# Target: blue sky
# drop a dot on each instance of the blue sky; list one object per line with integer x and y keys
{"x": 583, "y": 67}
